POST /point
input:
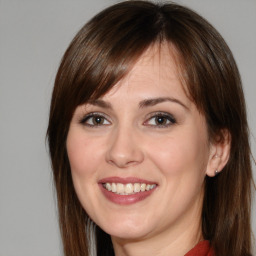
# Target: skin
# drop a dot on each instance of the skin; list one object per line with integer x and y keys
{"x": 129, "y": 142}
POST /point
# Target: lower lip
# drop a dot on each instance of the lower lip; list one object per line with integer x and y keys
{"x": 126, "y": 199}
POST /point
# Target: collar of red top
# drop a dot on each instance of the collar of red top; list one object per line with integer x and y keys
{"x": 203, "y": 248}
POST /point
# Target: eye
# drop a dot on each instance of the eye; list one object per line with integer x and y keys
{"x": 95, "y": 119}
{"x": 160, "y": 120}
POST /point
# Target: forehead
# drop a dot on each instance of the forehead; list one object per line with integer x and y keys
{"x": 160, "y": 59}
{"x": 156, "y": 69}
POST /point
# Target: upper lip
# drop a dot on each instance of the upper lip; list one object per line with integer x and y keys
{"x": 126, "y": 180}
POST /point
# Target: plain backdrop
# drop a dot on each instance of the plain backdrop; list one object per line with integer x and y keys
{"x": 33, "y": 37}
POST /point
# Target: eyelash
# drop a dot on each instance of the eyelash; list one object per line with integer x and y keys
{"x": 166, "y": 116}
{"x": 85, "y": 119}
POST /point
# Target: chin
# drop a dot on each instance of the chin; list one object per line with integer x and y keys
{"x": 128, "y": 230}
{"x": 125, "y": 234}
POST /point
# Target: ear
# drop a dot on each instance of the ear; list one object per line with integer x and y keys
{"x": 219, "y": 154}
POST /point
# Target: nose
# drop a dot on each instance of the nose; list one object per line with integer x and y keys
{"x": 124, "y": 148}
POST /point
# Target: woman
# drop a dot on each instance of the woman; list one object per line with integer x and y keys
{"x": 149, "y": 139}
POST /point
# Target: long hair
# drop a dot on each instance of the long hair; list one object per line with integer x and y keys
{"x": 101, "y": 54}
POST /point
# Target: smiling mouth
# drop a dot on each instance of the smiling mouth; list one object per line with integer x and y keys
{"x": 128, "y": 189}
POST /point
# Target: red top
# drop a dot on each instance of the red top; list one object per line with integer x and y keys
{"x": 201, "y": 249}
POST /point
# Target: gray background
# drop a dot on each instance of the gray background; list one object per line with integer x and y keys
{"x": 33, "y": 37}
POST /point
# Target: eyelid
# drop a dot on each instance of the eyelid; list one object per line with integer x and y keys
{"x": 167, "y": 115}
{"x": 93, "y": 114}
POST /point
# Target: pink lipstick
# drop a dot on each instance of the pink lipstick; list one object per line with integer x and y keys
{"x": 126, "y": 191}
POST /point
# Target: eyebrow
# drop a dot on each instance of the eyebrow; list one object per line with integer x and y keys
{"x": 142, "y": 104}
{"x": 100, "y": 103}
{"x": 155, "y": 101}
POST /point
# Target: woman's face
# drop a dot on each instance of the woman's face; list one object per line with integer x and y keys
{"x": 139, "y": 154}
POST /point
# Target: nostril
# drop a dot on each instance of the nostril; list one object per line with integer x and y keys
{"x": 122, "y": 163}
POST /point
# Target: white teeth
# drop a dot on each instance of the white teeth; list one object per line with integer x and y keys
{"x": 119, "y": 188}
{"x": 136, "y": 187}
{"x": 108, "y": 187}
{"x": 128, "y": 189}
{"x": 142, "y": 187}
{"x": 149, "y": 187}
{"x": 113, "y": 187}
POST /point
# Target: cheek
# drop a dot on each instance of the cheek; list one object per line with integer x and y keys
{"x": 84, "y": 161}
{"x": 182, "y": 152}
{"x": 83, "y": 154}
{"x": 181, "y": 159}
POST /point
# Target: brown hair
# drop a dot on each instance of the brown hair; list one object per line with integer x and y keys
{"x": 102, "y": 53}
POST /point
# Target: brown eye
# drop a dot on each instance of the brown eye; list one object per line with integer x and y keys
{"x": 95, "y": 120}
{"x": 160, "y": 120}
